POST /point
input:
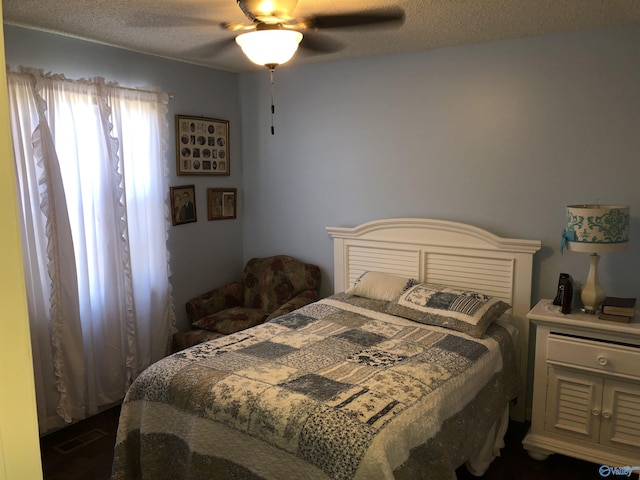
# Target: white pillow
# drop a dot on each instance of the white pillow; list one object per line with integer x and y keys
{"x": 380, "y": 286}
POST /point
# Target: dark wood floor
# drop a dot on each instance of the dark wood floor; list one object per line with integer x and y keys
{"x": 515, "y": 463}
{"x": 84, "y": 451}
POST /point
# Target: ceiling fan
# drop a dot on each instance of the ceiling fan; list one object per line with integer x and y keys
{"x": 274, "y": 34}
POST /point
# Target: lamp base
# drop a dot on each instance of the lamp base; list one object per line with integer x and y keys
{"x": 592, "y": 294}
{"x": 589, "y": 312}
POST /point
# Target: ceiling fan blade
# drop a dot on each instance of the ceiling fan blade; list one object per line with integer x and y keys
{"x": 315, "y": 43}
{"x": 391, "y": 15}
{"x": 212, "y": 49}
{"x": 237, "y": 27}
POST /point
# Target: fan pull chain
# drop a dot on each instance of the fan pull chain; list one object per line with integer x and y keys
{"x": 273, "y": 108}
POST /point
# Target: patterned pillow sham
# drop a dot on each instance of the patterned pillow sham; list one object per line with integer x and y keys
{"x": 380, "y": 286}
{"x": 461, "y": 310}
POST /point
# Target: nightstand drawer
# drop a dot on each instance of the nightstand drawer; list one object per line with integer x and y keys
{"x": 594, "y": 355}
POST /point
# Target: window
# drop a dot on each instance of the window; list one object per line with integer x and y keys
{"x": 90, "y": 163}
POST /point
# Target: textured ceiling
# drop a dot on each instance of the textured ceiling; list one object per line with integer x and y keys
{"x": 189, "y": 30}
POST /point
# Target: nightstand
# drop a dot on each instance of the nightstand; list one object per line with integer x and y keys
{"x": 586, "y": 388}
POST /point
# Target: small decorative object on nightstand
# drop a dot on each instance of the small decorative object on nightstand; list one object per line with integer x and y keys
{"x": 586, "y": 388}
{"x": 595, "y": 229}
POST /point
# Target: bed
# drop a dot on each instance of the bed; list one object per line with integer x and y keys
{"x": 375, "y": 381}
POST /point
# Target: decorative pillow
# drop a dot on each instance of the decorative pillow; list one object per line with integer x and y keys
{"x": 462, "y": 310}
{"x": 380, "y": 286}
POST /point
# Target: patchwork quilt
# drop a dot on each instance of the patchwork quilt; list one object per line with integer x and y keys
{"x": 337, "y": 389}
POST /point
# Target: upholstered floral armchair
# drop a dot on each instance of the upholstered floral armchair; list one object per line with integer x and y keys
{"x": 270, "y": 287}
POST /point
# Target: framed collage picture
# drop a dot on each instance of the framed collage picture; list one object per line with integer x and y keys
{"x": 221, "y": 203}
{"x": 202, "y": 146}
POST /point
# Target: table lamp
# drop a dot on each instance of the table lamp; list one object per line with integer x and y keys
{"x": 595, "y": 229}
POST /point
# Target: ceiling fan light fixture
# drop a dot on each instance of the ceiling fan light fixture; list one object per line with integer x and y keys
{"x": 269, "y": 47}
{"x": 268, "y": 10}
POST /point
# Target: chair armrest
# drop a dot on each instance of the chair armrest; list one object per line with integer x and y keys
{"x": 227, "y": 296}
{"x": 300, "y": 300}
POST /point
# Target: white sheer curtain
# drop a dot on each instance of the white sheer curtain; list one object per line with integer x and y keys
{"x": 92, "y": 183}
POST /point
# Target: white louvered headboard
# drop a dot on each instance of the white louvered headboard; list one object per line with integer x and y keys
{"x": 447, "y": 253}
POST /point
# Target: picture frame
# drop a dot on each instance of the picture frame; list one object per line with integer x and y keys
{"x": 202, "y": 146}
{"x": 183, "y": 204}
{"x": 222, "y": 203}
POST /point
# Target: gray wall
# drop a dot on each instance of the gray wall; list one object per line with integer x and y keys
{"x": 203, "y": 254}
{"x": 501, "y": 135}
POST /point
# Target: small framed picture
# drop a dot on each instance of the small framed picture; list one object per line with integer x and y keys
{"x": 183, "y": 204}
{"x": 202, "y": 146}
{"x": 221, "y": 203}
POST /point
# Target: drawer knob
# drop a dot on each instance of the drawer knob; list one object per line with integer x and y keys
{"x": 606, "y": 414}
{"x": 595, "y": 412}
{"x": 602, "y": 360}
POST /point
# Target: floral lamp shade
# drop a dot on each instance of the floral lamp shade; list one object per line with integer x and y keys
{"x": 595, "y": 229}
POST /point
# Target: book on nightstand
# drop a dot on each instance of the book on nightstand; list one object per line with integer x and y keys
{"x": 615, "y": 318}
{"x": 619, "y": 306}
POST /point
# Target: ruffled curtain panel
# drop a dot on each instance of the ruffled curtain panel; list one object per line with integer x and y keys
{"x": 93, "y": 182}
